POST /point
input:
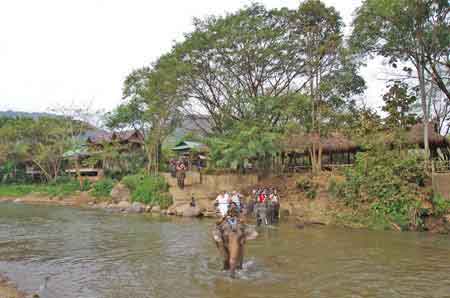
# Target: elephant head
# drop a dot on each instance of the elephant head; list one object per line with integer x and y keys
{"x": 262, "y": 214}
{"x": 230, "y": 240}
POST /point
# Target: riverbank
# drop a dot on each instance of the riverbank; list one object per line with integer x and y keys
{"x": 8, "y": 289}
{"x": 304, "y": 199}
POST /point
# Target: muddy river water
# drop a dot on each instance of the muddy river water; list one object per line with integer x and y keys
{"x": 89, "y": 253}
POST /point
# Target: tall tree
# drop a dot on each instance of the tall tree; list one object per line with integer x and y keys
{"x": 241, "y": 60}
{"x": 332, "y": 72}
{"x": 152, "y": 104}
{"x": 414, "y": 31}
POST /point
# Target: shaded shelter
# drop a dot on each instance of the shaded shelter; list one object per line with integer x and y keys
{"x": 414, "y": 138}
{"x": 194, "y": 152}
{"x": 336, "y": 148}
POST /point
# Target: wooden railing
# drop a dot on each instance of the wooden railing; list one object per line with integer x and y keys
{"x": 440, "y": 166}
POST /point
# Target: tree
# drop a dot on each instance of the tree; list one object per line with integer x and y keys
{"x": 398, "y": 104}
{"x": 152, "y": 104}
{"x": 332, "y": 71}
{"x": 244, "y": 143}
{"x": 241, "y": 60}
{"x": 42, "y": 142}
{"x": 413, "y": 31}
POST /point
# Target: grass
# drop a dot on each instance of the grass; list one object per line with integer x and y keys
{"x": 51, "y": 189}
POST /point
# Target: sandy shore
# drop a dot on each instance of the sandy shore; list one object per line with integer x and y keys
{"x": 9, "y": 290}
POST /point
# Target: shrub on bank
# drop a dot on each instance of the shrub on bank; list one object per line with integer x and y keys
{"x": 102, "y": 188}
{"x": 441, "y": 206}
{"x": 388, "y": 182}
{"x": 148, "y": 189}
{"x": 308, "y": 186}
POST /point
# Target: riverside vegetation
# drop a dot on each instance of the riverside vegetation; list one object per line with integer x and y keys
{"x": 262, "y": 76}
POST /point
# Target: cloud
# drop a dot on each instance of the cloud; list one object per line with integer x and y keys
{"x": 56, "y": 52}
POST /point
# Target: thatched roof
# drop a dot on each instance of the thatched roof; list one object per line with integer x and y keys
{"x": 335, "y": 142}
{"x": 415, "y": 136}
{"x": 132, "y": 136}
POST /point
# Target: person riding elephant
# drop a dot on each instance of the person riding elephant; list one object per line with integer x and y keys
{"x": 181, "y": 174}
{"x": 230, "y": 236}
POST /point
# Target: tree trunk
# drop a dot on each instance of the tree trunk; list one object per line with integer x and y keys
{"x": 423, "y": 98}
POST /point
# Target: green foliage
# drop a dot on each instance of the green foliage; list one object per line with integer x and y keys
{"x": 308, "y": 186}
{"x": 243, "y": 142}
{"x": 333, "y": 187}
{"x": 398, "y": 103}
{"x": 388, "y": 182}
{"x": 48, "y": 189}
{"x": 15, "y": 190}
{"x": 441, "y": 205}
{"x": 103, "y": 188}
{"x": 148, "y": 189}
{"x": 39, "y": 143}
{"x": 411, "y": 31}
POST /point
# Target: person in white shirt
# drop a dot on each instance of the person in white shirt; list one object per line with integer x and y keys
{"x": 222, "y": 202}
{"x": 235, "y": 199}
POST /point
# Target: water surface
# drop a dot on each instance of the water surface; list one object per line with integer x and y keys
{"x": 92, "y": 254}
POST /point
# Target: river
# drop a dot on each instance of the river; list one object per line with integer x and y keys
{"x": 89, "y": 253}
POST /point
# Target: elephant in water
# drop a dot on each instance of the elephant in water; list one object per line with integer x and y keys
{"x": 262, "y": 213}
{"x": 267, "y": 213}
{"x": 230, "y": 240}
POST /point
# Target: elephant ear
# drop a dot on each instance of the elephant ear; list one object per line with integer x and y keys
{"x": 216, "y": 236}
{"x": 250, "y": 233}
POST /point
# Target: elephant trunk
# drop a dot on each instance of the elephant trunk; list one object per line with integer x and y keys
{"x": 234, "y": 256}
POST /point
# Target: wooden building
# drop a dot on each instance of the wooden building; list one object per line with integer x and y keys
{"x": 194, "y": 153}
{"x": 89, "y": 159}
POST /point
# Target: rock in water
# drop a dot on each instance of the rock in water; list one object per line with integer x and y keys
{"x": 156, "y": 209}
{"x": 136, "y": 207}
{"x": 123, "y": 205}
{"x": 187, "y": 210}
{"x": 120, "y": 193}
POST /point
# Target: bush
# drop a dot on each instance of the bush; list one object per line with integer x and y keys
{"x": 148, "y": 189}
{"x": 55, "y": 189}
{"x": 102, "y": 188}
{"x": 307, "y": 186}
{"x": 441, "y": 206}
{"x": 333, "y": 187}
{"x": 388, "y": 182}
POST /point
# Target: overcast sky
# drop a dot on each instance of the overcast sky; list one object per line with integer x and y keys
{"x": 56, "y": 52}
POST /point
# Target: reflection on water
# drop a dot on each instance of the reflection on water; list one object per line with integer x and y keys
{"x": 89, "y": 253}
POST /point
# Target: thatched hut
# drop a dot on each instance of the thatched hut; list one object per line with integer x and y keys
{"x": 336, "y": 150}
{"x": 415, "y": 136}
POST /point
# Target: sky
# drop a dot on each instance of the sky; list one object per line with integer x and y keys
{"x": 57, "y": 53}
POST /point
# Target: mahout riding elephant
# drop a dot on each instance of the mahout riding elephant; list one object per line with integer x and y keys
{"x": 266, "y": 213}
{"x": 230, "y": 238}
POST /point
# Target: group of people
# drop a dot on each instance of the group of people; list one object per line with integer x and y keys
{"x": 265, "y": 205}
{"x": 226, "y": 200}
{"x": 178, "y": 170}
